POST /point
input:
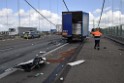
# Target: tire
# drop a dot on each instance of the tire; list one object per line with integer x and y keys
{"x": 32, "y": 37}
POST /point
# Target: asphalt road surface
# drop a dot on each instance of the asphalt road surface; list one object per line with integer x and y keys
{"x": 101, "y": 66}
{"x": 15, "y": 51}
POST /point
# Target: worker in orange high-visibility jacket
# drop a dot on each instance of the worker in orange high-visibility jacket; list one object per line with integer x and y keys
{"x": 97, "y": 34}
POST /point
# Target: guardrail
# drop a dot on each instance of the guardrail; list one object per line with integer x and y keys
{"x": 116, "y": 39}
{"x": 3, "y": 37}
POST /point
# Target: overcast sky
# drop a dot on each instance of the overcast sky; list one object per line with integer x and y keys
{"x": 13, "y": 10}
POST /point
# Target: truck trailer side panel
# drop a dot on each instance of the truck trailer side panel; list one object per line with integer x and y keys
{"x": 85, "y": 24}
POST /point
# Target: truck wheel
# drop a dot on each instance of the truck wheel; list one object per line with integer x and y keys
{"x": 69, "y": 40}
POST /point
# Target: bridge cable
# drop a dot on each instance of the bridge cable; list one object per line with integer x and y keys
{"x": 39, "y": 10}
{"x": 101, "y": 12}
{"x": 7, "y": 12}
{"x": 39, "y": 13}
{"x": 120, "y": 11}
{"x": 112, "y": 11}
{"x": 50, "y": 8}
{"x": 29, "y": 19}
{"x": 19, "y": 18}
{"x": 57, "y": 8}
{"x": 65, "y": 5}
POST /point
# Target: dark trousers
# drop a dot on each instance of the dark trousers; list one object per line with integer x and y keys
{"x": 97, "y": 43}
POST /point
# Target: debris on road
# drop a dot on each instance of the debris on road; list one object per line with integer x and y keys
{"x": 31, "y": 64}
{"x": 38, "y": 74}
{"x": 76, "y": 62}
{"x": 42, "y": 52}
{"x": 61, "y": 78}
{"x": 48, "y": 63}
{"x": 104, "y": 47}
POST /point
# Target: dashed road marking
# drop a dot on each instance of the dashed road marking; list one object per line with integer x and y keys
{"x": 6, "y": 49}
{"x": 7, "y": 72}
{"x": 55, "y": 49}
{"x": 11, "y": 70}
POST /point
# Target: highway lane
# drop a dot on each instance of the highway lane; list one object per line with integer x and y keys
{"x": 19, "y": 43}
{"x": 46, "y": 70}
{"x": 17, "y": 51}
{"x": 10, "y": 44}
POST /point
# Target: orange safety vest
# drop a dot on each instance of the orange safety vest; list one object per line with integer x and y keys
{"x": 96, "y": 33}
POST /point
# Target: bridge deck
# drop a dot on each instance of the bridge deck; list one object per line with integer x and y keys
{"x": 103, "y": 66}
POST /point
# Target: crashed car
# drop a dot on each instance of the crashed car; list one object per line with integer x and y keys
{"x": 31, "y": 64}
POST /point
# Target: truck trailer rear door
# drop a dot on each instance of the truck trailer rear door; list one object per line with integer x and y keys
{"x": 67, "y": 23}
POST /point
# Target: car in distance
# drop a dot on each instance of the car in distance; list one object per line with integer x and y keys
{"x": 31, "y": 34}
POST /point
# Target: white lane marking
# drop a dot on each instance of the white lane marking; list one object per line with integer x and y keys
{"x": 7, "y": 72}
{"x": 61, "y": 78}
{"x": 76, "y": 62}
{"x": 29, "y": 61}
{"x": 11, "y": 70}
{"x": 6, "y": 49}
{"x": 42, "y": 52}
{"x": 58, "y": 44}
{"x": 54, "y": 49}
